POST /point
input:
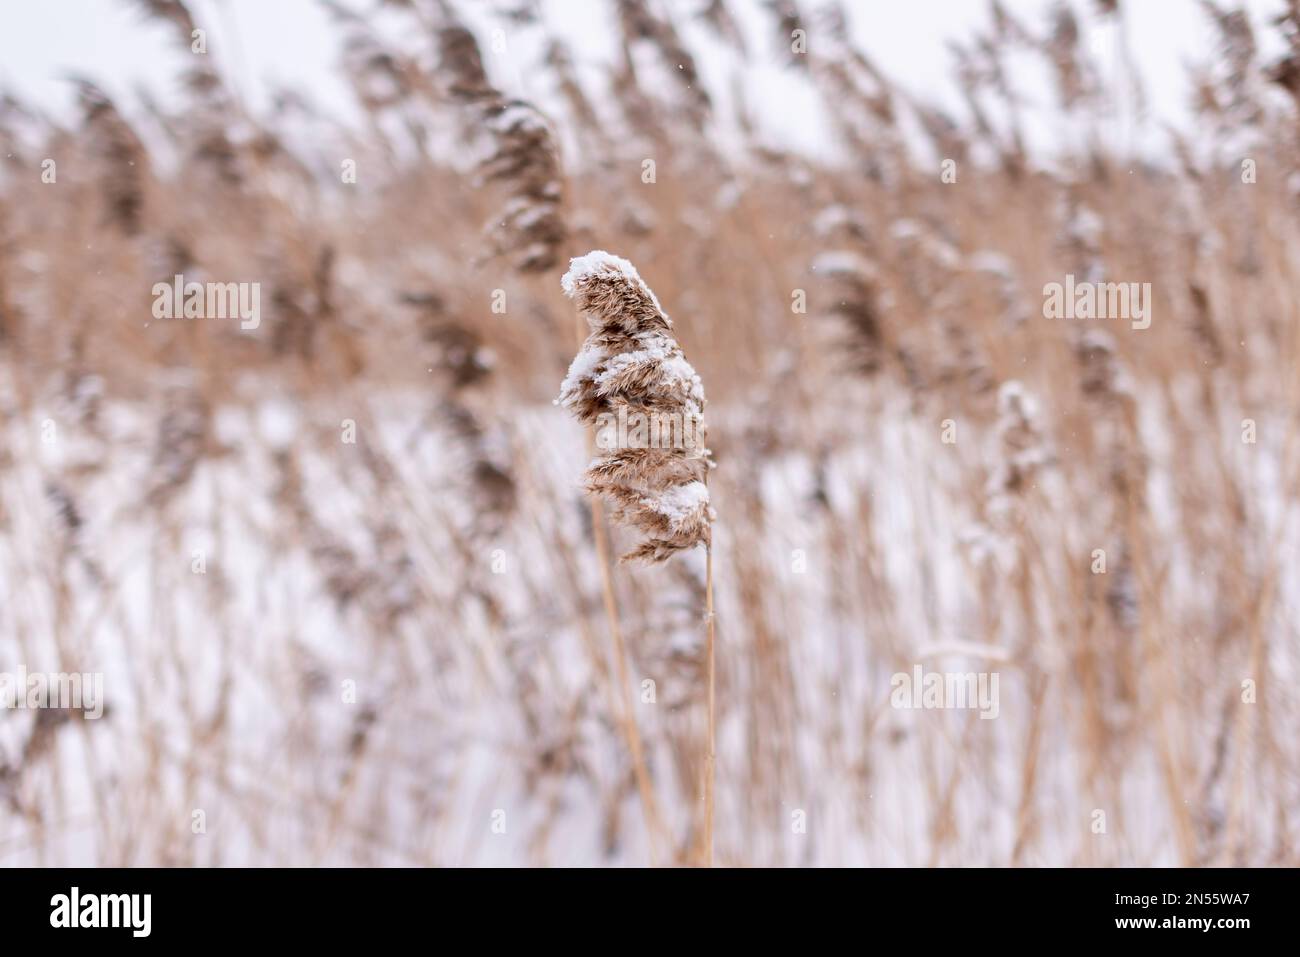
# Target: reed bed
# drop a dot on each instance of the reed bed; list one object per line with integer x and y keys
{"x": 340, "y": 572}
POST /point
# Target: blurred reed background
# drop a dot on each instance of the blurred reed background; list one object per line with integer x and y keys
{"x": 359, "y": 652}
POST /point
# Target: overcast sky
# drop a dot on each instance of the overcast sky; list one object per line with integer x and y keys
{"x": 262, "y": 42}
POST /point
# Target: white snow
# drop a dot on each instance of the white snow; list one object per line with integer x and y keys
{"x": 594, "y": 263}
{"x": 656, "y": 351}
{"x": 992, "y": 263}
{"x": 599, "y": 262}
{"x": 679, "y": 503}
{"x": 840, "y": 263}
{"x": 675, "y": 371}
{"x": 581, "y": 369}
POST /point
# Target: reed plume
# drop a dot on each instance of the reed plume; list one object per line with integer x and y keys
{"x": 524, "y": 155}
{"x": 859, "y": 302}
{"x": 631, "y": 370}
{"x": 1024, "y": 450}
{"x": 125, "y": 160}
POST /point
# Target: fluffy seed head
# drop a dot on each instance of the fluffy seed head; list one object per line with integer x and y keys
{"x": 632, "y": 381}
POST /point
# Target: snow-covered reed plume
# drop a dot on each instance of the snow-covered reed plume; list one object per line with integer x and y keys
{"x": 630, "y": 369}
{"x": 859, "y": 301}
{"x": 124, "y": 160}
{"x": 201, "y": 77}
{"x": 524, "y": 155}
{"x": 213, "y": 128}
{"x": 1024, "y": 449}
{"x": 641, "y": 26}
{"x": 1108, "y": 391}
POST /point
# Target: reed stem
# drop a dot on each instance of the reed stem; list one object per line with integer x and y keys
{"x": 709, "y": 669}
